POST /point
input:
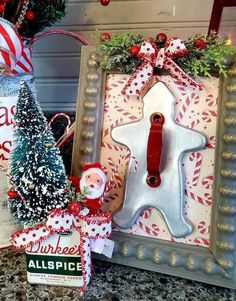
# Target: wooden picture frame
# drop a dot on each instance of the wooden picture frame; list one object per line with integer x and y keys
{"x": 215, "y": 265}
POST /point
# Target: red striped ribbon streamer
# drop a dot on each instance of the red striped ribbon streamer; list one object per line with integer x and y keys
{"x": 16, "y": 56}
{"x": 11, "y": 46}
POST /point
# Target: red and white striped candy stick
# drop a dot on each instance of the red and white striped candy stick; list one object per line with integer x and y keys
{"x": 180, "y": 87}
{"x": 147, "y": 213}
{"x": 201, "y": 241}
{"x": 112, "y": 147}
{"x": 203, "y": 228}
{"x": 64, "y": 115}
{"x": 207, "y": 115}
{"x": 211, "y": 142}
{"x": 195, "y": 98}
{"x": 111, "y": 198}
{"x": 125, "y": 113}
{"x": 108, "y": 130}
{"x": 207, "y": 182}
{"x": 211, "y": 101}
{"x": 115, "y": 175}
{"x": 193, "y": 123}
{"x": 5, "y": 171}
{"x": 116, "y": 84}
{"x": 147, "y": 229}
{"x": 183, "y": 109}
{"x": 207, "y": 200}
{"x": 197, "y": 168}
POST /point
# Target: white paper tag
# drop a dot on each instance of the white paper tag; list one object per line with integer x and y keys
{"x": 108, "y": 248}
{"x": 102, "y": 246}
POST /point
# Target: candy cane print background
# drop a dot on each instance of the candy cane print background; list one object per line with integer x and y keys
{"x": 194, "y": 109}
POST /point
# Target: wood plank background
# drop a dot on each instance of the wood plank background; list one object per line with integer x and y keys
{"x": 57, "y": 58}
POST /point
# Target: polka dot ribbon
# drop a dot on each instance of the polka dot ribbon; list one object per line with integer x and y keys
{"x": 161, "y": 58}
{"x": 90, "y": 226}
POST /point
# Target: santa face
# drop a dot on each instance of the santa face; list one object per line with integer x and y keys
{"x": 95, "y": 181}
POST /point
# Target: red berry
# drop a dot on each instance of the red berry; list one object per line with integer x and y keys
{"x": 2, "y": 8}
{"x": 161, "y": 37}
{"x": 12, "y": 194}
{"x": 30, "y": 15}
{"x": 134, "y": 50}
{"x": 105, "y": 36}
{"x": 199, "y": 44}
{"x": 74, "y": 208}
{"x": 105, "y": 2}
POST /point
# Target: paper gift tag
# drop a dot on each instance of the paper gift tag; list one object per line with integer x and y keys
{"x": 56, "y": 261}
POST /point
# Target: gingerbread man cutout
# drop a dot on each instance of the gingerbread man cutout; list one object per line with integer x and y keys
{"x": 177, "y": 141}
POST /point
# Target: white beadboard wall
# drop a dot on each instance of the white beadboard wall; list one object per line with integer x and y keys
{"x": 57, "y": 58}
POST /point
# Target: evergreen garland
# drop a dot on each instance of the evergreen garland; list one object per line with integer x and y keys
{"x": 208, "y": 61}
{"x": 115, "y": 53}
{"x": 46, "y": 13}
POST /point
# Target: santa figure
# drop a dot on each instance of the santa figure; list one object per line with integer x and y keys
{"x": 94, "y": 180}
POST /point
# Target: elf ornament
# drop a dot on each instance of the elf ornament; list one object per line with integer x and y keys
{"x": 94, "y": 181}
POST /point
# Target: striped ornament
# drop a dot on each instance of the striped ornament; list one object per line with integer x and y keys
{"x": 11, "y": 46}
{"x": 24, "y": 64}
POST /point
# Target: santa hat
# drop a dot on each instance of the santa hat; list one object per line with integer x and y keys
{"x": 95, "y": 167}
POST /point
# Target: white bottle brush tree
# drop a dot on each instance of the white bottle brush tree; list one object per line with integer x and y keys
{"x": 37, "y": 171}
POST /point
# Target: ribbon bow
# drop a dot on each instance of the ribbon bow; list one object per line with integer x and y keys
{"x": 90, "y": 227}
{"x": 161, "y": 58}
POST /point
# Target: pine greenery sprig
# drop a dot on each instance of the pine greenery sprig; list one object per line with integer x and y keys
{"x": 115, "y": 52}
{"x": 47, "y": 13}
{"x": 211, "y": 60}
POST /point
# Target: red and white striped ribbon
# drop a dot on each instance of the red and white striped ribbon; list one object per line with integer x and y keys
{"x": 24, "y": 64}
{"x": 11, "y": 46}
{"x": 16, "y": 57}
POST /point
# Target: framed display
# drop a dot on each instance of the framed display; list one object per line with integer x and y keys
{"x": 180, "y": 218}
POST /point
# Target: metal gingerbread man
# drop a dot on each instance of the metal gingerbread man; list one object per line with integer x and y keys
{"x": 159, "y": 145}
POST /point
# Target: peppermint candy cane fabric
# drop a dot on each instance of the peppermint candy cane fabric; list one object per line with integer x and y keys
{"x": 190, "y": 105}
